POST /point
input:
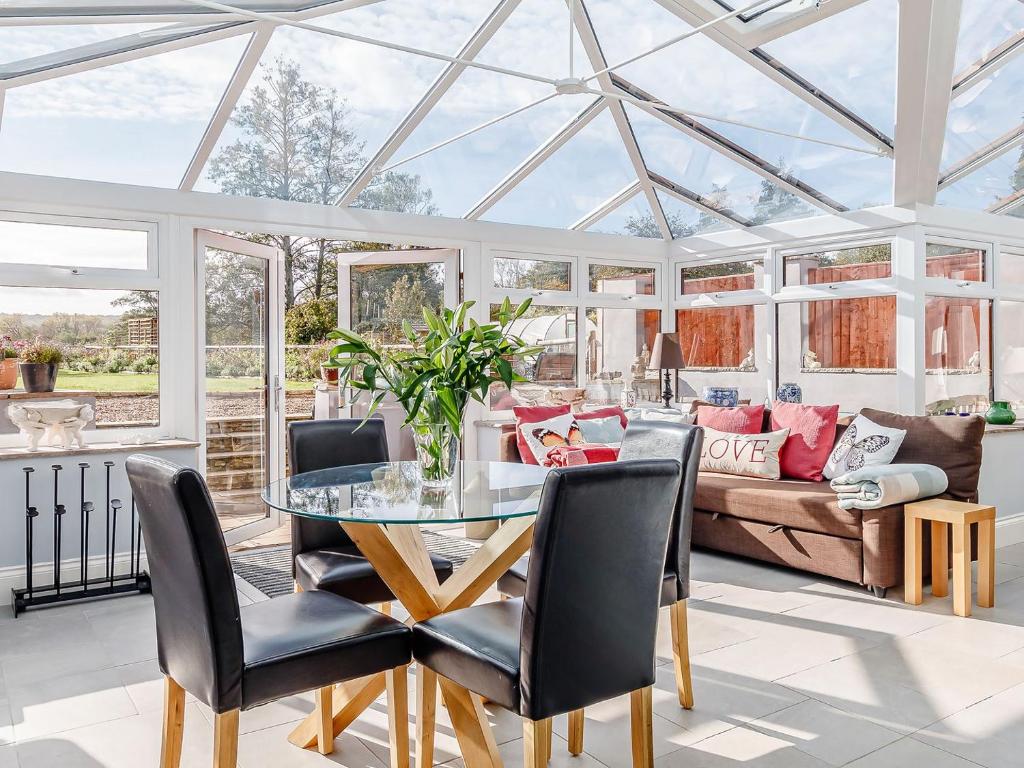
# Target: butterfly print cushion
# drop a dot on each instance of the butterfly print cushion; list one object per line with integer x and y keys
{"x": 864, "y": 444}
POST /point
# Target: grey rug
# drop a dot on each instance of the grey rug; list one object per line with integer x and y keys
{"x": 269, "y": 569}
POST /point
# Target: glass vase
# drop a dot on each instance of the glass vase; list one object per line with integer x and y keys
{"x": 437, "y": 450}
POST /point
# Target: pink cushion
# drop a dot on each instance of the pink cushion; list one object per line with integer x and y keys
{"x": 603, "y": 413}
{"x": 812, "y": 431}
{"x": 743, "y": 419}
{"x": 531, "y": 414}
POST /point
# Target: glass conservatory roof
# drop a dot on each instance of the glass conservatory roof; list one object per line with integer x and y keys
{"x": 651, "y": 118}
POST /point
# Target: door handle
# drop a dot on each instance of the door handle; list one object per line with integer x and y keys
{"x": 278, "y": 391}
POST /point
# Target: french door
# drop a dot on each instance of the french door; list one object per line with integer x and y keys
{"x": 240, "y": 378}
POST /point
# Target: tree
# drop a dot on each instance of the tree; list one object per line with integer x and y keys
{"x": 1017, "y": 177}
{"x": 310, "y": 321}
{"x": 775, "y": 203}
{"x": 297, "y": 143}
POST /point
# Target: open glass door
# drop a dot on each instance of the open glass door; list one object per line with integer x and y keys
{"x": 240, "y": 378}
{"x": 377, "y": 290}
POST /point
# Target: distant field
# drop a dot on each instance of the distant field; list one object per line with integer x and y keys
{"x": 147, "y": 382}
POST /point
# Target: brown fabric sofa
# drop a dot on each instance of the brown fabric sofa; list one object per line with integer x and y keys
{"x": 798, "y": 523}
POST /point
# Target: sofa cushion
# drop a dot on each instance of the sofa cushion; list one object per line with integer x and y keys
{"x": 812, "y": 431}
{"x": 743, "y": 419}
{"x": 532, "y": 414}
{"x": 800, "y": 504}
{"x": 952, "y": 443}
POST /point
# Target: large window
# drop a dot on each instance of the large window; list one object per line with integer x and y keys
{"x": 551, "y": 373}
{"x": 722, "y": 347}
{"x": 955, "y": 262}
{"x": 840, "y": 265}
{"x": 532, "y": 274}
{"x": 721, "y": 278}
{"x": 958, "y": 352}
{"x": 618, "y": 278}
{"x": 59, "y": 245}
{"x": 619, "y": 343}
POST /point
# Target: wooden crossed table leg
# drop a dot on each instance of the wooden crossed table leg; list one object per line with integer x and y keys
{"x": 399, "y": 555}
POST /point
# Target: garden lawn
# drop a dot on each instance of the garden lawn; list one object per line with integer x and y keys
{"x": 147, "y": 382}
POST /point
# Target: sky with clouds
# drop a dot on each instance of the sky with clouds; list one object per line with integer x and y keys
{"x": 139, "y": 122}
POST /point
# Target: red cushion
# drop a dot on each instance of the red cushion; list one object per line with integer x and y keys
{"x": 812, "y": 431}
{"x": 531, "y": 414}
{"x": 577, "y": 455}
{"x": 604, "y": 413}
{"x": 743, "y": 419}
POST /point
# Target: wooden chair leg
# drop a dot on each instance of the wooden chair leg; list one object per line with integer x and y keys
{"x": 385, "y": 608}
{"x": 297, "y": 586}
{"x": 398, "y": 715}
{"x": 325, "y": 720}
{"x": 641, "y": 725}
{"x": 536, "y": 751}
{"x": 225, "y": 739}
{"x": 681, "y": 654}
{"x": 548, "y": 731}
{"x": 174, "y": 724}
{"x": 576, "y": 732}
{"x": 962, "y": 569}
{"x": 426, "y": 713}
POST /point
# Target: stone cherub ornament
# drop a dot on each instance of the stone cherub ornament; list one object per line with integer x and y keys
{"x": 811, "y": 360}
{"x": 57, "y": 420}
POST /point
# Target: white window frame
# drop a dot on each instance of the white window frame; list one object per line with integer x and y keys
{"x": 751, "y": 295}
{"x": 539, "y": 296}
{"x": 942, "y": 286}
{"x": 97, "y": 278}
{"x": 875, "y": 286}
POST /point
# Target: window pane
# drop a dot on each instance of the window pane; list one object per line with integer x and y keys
{"x": 616, "y": 278}
{"x": 721, "y": 278}
{"x": 722, "y": 347}
{"x": 518, "y": 274}
{"x": 617, "y": 339}
{"x": 954, "y": 262}
{"x": 634, "y": 217}
{"x": 111, "y": 345}
{"x": 65, "y": 246}
{"x": 1010, "y": 269}
{"x": 840, "y": 351}
{"x": 984, "y": 112}
{"x": 383, "y": 295}
{"x": 551, "y": 373}
{"x": 1010, "y": 384}
{"x": 866, "y": 262}
{"x": 685, "y": 220}
{"x": 958, "y": 344}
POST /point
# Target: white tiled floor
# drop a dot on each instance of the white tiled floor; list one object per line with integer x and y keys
{"x": 789, "y": 671}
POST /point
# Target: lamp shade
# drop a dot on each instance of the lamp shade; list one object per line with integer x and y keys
{"x": 667, "y": 352}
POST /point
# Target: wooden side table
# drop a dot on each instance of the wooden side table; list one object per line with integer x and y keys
{"x": 960, "y": 515}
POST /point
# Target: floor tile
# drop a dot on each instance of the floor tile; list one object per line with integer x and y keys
{"x": 910, "y": 753}
{"x": 976, "y": 637}
{"x": 740, "y": 747}
{"x": 269, "y": 748}
{"x": 1013, "y": 554}
{"x": 128, "y": 633}
{"x": 990, "y": 732}
{"x": 6, "y": 723}
{"x": 145, "y": 684}
{"x": 707, "y": 631}
{"x": 512, "y": 755}
{"x": 825, "y": 732}
{"x": 65, "y": 703}
{"x": 877, "y": 620}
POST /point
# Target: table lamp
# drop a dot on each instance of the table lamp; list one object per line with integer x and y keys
{"x": 667, "y": 355}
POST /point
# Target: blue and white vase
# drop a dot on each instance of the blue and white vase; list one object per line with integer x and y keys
{"x": 725, "y": 397}
{"x": 789, "y": 392}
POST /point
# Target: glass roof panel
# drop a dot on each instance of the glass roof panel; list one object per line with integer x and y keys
{"x": 770, "y": 10}
{"x": 138, "y": 122}
{"x": 852, "y": 57}
{"x": 53, "y": 8}
{"x": 984, "y": 112}
{"x": 633, "y": 217}
{"x": 984, "y": 25}
{"x": 685, "y": 220}
{"x": 29, "y": 42}
{"x": 437, "y": 27}
{"x": 535, "y": 39}
{"x": 987, "y": 185}
{"x": 587, "y": 171}
{"x": 687, "y": 162}
{"x": 342, "y": 100}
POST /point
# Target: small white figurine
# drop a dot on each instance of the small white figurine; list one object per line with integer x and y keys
{"x": 60, "y": 421}
{"x": 974, "y": 361}
{"x": 811, "y": 360}
{"x": 748, "y": 361}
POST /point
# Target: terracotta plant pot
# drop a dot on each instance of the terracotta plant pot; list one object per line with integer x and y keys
{"x": 38, "y": 377}
{"x": 8, "y": 372}
{"x": 330, "y": 375}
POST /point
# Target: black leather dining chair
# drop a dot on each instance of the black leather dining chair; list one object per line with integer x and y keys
{"x": 647, "y": 440}
{"x": 233, "y": 658}
{"x": 323, "y": 555}
{"x": 585, "y": 630}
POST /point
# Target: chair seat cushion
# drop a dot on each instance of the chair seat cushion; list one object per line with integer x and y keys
{"x": 801, "y": 504}
{"x": 344, "y": 571}
{"x": 513, "y": 582}
{"x": 310, "y": 640}
{"x": 477, "y": 647}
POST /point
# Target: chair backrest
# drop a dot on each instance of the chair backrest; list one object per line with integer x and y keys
{"x": 199, "y": 632}
{"x": 326, "y": 443}
{"x": 590, "y": 614}
{"x": 664, "y": 440}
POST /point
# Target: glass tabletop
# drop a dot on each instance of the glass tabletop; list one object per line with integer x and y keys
{"x": 393, "y": 493}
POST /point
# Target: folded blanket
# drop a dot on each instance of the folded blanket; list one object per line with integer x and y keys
{"x": 576, "y": 455}
{"x": 879, "y": 486}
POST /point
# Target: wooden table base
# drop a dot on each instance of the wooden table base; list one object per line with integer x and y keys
{"x": 400, "y": 557}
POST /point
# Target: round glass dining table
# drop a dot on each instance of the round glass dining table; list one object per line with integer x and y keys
{"x": 381, "y": 508}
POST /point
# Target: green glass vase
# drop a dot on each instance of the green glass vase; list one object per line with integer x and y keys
{"x": 1000, "y": 413}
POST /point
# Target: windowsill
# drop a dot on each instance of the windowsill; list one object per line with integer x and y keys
{"x": 21, "y": 452}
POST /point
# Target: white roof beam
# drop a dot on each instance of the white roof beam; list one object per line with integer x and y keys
{"x": 1008, "y": 203}
{"x": 1009, "y": 140}
{"x": 236, "y": 86}
{"x": 135, "y": 14}
{"x": 470, "y": 49}
{"x": 998, "y": 57}
{"x": 701, "y": 203}
{"x": 585, "y": 28}
{"x": 928, "y": 32}
{"x": 758, "y": 31}
{"x": 556, "y": 141}
{"x": 725, "y": 146}
{"x": 787, "y": 78}
{"x": 619, "y": 198}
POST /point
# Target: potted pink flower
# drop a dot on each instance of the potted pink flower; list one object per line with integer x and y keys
{"x": 39, "y": 363}
{"x": 8, "y": 363}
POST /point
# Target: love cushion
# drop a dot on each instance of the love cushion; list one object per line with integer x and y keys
{"x": 732, "y": 453}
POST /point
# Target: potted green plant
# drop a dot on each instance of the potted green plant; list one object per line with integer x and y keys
{"x": 435, "y": 379}
{"x": 8, "y": 363}
{"x": 39, "y": 363}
